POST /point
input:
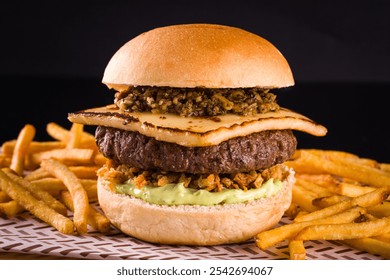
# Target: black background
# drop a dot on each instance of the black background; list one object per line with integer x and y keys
{"x": 54, "y": 55}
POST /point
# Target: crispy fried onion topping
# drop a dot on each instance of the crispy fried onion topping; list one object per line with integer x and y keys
{"x": 196, "y": 102}
{"x": 211, "y": 182}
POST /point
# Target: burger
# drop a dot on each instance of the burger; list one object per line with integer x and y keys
{"x": 195, "y": 139}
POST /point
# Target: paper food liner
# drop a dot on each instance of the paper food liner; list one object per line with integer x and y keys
{"x": 27, "y": 234}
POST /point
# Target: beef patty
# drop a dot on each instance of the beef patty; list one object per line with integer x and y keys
{"x": 256, "y": 151}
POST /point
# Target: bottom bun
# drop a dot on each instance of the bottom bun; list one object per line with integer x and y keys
{"x": 193, "y": 225}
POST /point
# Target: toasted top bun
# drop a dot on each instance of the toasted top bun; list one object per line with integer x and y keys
{"x": 193, "y": 225}
{"x": 198, "y": 55}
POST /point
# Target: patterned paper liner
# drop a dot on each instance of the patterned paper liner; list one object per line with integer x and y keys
{"x": 28, "y": 235}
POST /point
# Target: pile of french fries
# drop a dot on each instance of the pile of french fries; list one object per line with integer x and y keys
{"x": 53, "y": 180}
{"x": 337, "y": 196}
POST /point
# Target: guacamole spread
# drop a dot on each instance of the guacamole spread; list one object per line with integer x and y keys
{"x": 177, "y": 194}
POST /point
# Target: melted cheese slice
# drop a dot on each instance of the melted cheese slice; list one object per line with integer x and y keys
{"x": 193, "y": 131}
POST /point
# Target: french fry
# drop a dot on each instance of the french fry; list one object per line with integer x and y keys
{"x": 82, "y": 172}
{"x": 326, "y": 201}
{"x": 74, "y": 186}
{"x": 5, "y": 161}
{"x": 11, "y": 208}
{"x": 74, "y": 137}
{"x": 366, "y": 200}
{"x": 336, "y": 184}
{"x": 54, "y": 186}
{"x": 61, "y": 134}
{"x": 85, "y": 172}
{"x": 303, "y": 198}
{"x": 100, "y": 159}
{"x": 271, "y": 237}
{"x": 23, "y": 141}
{"x": 383, "y": 237}
{"x": 371, "y": 245}
{"x": 95, "y": 219}
{"x": 380, "y": 210}
{"x": 297, "y": 250}
{"x": 308, "y": 162}
{"x": 38, "y": 208}
{"x": 385, "y": 167}
{"x": 326, "y": 181}
{"x": 292, "y": 210}
{"x": 4, "y": 197}
{"x": 37, "y": 174}
{"x": 57, "y": 132}
{"x": 39, "y": 193}
{"x": 301, "y": 213}
{"x": 29, "y": 165}
{"x": 344, "y": 157}
{"x": 313, "y": 187}
{"x": 353, "y": 190}
{"x": 321, "y": 179}
{"x": 332, "y": 153}
{"x": 35, "y": 147}
{"x": 7, "y": 148}
{"x": 66, "y": 156}
{"x": 345, "y": 231}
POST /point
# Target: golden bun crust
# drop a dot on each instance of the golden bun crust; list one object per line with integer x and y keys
{"x": 193, "y": 225}
{"x": 198, "y": 55}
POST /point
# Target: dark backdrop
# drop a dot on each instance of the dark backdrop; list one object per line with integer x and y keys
{"x": 54, "y": 55}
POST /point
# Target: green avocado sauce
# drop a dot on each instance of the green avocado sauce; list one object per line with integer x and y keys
{"x": 177, "y": 194}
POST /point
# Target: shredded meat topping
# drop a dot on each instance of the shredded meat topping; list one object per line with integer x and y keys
{"x": 210, "y": 182}
{"x": 196, "y": 102}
